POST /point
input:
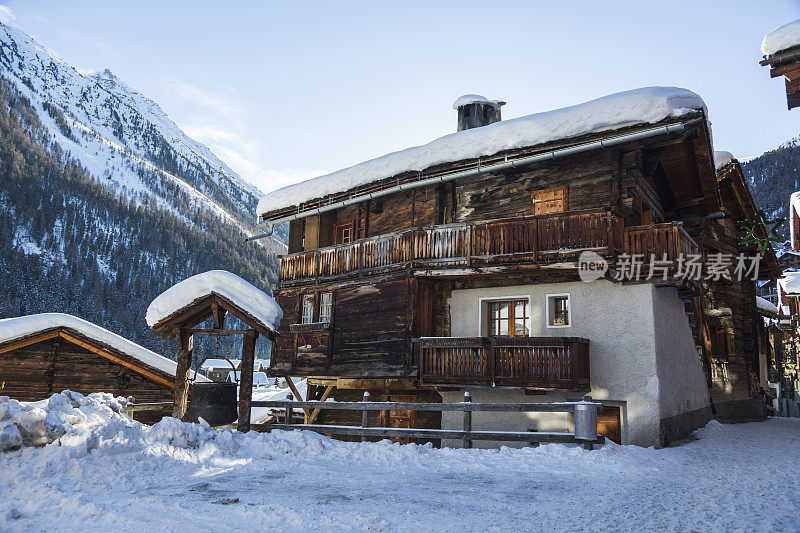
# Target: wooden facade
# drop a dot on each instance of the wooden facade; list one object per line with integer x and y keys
{"x": 37, "y": 366}
{"x": 786, "y": 64}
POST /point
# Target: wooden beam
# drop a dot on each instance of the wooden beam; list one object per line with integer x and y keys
{"x": 246, "y": 380}
{"x": 219, "y": 315}
{"x": 185, "y": 348}
{"x": 30, "y": 339}
{"x": 316, "y": 412}
{"x": 297, "y": 395}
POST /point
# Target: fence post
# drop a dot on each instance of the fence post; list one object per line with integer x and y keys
{"x": 365, "y": 416}
{"x": 288, "y": 416}
{"x": 586, "y": 422}
{"x": 467, "y": 420}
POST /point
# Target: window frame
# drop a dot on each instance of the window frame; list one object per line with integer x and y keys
{"x": 303, "y": 299}
{"x": 485, "y": 314}
{"x": 339, "y": 229}
{"x": 550, "y": 310}
{"x": 322, "y": 305}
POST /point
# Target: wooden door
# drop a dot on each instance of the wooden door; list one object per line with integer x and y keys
{"x": 609, "y": 423}
{"x": 552, "y": 200}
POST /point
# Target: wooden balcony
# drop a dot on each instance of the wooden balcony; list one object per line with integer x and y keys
{"x": 555, "y": 363}
{"x": 529, "y": 241}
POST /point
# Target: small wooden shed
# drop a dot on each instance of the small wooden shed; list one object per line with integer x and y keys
{"x": 47, "y": 353}
{"x": 178, "y": 311}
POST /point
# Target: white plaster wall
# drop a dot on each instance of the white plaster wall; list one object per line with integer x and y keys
{"x": 617, "y": 319}
{"x": 682, "y": 383}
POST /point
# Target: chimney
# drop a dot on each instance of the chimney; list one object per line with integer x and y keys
{"x": 475, "y": 111}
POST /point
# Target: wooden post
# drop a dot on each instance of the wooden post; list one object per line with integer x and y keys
{"x": 467, "y": 420}
{"x": 287, "y": 418}
{"x": 181, "y": 397}
{"x": 246, "y": 380}
{"x": 365, "y": 416}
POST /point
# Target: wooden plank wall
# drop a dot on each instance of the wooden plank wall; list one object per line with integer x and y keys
{"x": 588, "y": 177}
{"x": 39, "y": 370}
{"x": 371, "y": 330}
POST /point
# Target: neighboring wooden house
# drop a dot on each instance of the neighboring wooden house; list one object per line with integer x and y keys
{"x": 781, "y": 49}
{"x": 47, "y": 353}
{"x": 453, "y": 266}
{"x": 731, "y": 324}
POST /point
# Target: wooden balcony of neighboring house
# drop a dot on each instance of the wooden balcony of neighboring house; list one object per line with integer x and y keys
{"x": 489, "y": 246}
{"x": 551, "y": 363}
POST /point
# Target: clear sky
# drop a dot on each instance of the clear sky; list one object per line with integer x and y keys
{"x": 287, "y": 90}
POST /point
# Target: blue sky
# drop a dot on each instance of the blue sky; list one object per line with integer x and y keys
{"x": 287, "y": 90}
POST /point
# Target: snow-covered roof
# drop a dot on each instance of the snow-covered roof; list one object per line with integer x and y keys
{"x": 475, "y": 99}
{"x": 789, "y": 284}
{"x": 248, "y": 298}
{"x": 647, "y": 105}
{"x": 23, "y": 326}
{"x": 258, "y": 377}
{"x": 766, "y": 306}
{"x": 722, "y": 158}
{"x": 219, "y": 363}
{"x": 780, "y": 39}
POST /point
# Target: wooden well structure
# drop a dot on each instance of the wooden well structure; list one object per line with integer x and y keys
{"x": 182, "y": 326}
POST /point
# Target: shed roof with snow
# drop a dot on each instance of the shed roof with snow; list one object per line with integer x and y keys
{"x": 24, "y": 331}
{"x": 195, "y": 299}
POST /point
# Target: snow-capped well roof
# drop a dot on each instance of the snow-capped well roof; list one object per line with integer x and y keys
{"x": 766, "y": 306}
{"x": 23, "y": 326}
{"x": 475, "y": 99}
{"x": 248, "y": 298}
{"x": 780, "y": 39}
{"x": 647, "y": 105}
{"x": 722, "y": 158}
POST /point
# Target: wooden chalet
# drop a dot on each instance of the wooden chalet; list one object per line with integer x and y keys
{"x": 453, "y": 266}
{"x": 781, "y": 49}
{"x": 45, "y": 354}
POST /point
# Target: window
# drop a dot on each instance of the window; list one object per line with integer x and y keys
{"x": 344, "y": 233}
{"x": 508, "y": 318}
{"x": 308, "y": 309}
{"x": 558, "y": 315}
{"x": 549, "y": 200}
{"x": 325, "y": 307}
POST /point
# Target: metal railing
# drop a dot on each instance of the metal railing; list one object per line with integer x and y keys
{"x": 584, "y": 414}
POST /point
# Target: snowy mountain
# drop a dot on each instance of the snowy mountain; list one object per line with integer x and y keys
{"x": 119, "y": 134}
{"x": 773, "y": 177}
{"x": 105, "y": 202}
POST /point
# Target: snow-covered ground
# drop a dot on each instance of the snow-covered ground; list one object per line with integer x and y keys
{"x": 109, "y": 473}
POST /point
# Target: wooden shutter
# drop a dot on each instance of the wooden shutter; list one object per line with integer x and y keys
{"x": 552, "y": 200}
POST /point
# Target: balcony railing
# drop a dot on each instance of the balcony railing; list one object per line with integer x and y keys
{"x": 560, "y": 363}
{"x": 528, "y": 240}
{"x": 519, "y": 240}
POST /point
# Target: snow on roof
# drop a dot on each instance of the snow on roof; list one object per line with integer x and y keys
{"x": 219, "y": 363}
{"x": 23, "y": 326}
{"x": 722, "y": 158}
{"x": 783, "y": 38}
{"x": 789, "y": 284}
{"x": 766, "y": 306}
{"x": 647, "y": 105}
{"x": 475, "y": 99}
{"x": 251, "y": 300}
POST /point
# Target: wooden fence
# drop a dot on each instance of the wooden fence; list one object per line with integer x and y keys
{"x": 585, "y": 420}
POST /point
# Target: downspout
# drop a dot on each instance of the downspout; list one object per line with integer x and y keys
{"x": 478, "y": 170}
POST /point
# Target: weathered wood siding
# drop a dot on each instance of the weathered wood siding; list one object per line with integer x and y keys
{"x": 36, "y": 371}
{"x": 371, "y": 332}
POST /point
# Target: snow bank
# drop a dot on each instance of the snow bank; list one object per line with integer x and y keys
{"x": 23, "y": 326}
{"x": 766, "y": 306}
{"x": 475, "y": 99}
{"x": 251, "y": 300}
{"x": 789, "y": 284}
{"x": 722, "y": 158}
{"x": 110, "y": 473}
{"x": 780, "y": 39}
{"x": 640, "y": 106}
